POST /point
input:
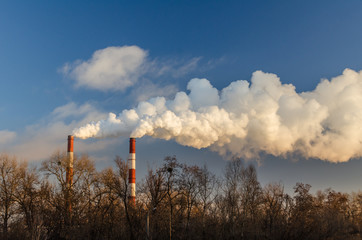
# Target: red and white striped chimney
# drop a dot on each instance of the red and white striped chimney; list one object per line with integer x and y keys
{"x": 69, "y": 173}
{"x": 132, "y": 170}
{"x": 70, "y": 156}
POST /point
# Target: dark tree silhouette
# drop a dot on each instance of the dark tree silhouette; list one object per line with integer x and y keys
{"x": 174, "y": 201}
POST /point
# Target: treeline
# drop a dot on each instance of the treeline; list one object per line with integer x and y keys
{"x": 175, "y": 201}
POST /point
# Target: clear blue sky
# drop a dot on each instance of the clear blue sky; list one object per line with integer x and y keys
{"x": 223, "y": 41}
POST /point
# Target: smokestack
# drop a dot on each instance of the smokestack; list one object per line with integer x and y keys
{"x": 69, "y": 172}
{"x": 132, "y": 170}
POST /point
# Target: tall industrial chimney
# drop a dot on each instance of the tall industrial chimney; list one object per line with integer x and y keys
{"x": 69, "y": 172}
{"x": 132, "y": 170}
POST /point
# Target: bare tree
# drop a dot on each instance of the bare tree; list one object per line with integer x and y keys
{"x": 28, "y": 195}
{"x": 188, "y": 187}
{"x": 208, "y": 190}
{"x": 8, "y": 185}
{"x": 171, "y": 168}
{"x": 79, "y": 194}
{"x": 117, "y": 182}
{"x": 251, "y": 198}
{"x": 275, "y": 211}
{"x": 355, "y": 212}
{"x": 302, "y": 214}
{"x": 155, "y": 194}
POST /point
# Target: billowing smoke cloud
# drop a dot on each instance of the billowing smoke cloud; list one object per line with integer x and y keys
{"x": 245, "y": 119}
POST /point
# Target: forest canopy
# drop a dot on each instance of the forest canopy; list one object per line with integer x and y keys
{"x": 174, "y": 201}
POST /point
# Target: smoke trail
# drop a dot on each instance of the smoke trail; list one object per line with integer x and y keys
{"x": 244, "y": 120}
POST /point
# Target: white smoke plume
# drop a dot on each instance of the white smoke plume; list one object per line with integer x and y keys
{"x": 246, "y": 119}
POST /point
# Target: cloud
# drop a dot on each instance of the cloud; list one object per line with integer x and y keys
{"x": 111, "y": 68}
{"x": 148, "y": 89}
{"x": 173, "y": 67}
{"x": 72, "y": 110}
{"x": 118, "y": 68}
{"x": 38, "y": 141}
{"x": 6, "y": 137}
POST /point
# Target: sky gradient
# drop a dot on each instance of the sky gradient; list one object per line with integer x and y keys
{"x": 43, "y": 97}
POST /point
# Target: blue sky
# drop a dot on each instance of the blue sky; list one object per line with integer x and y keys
{"x": 223, "y": 41}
